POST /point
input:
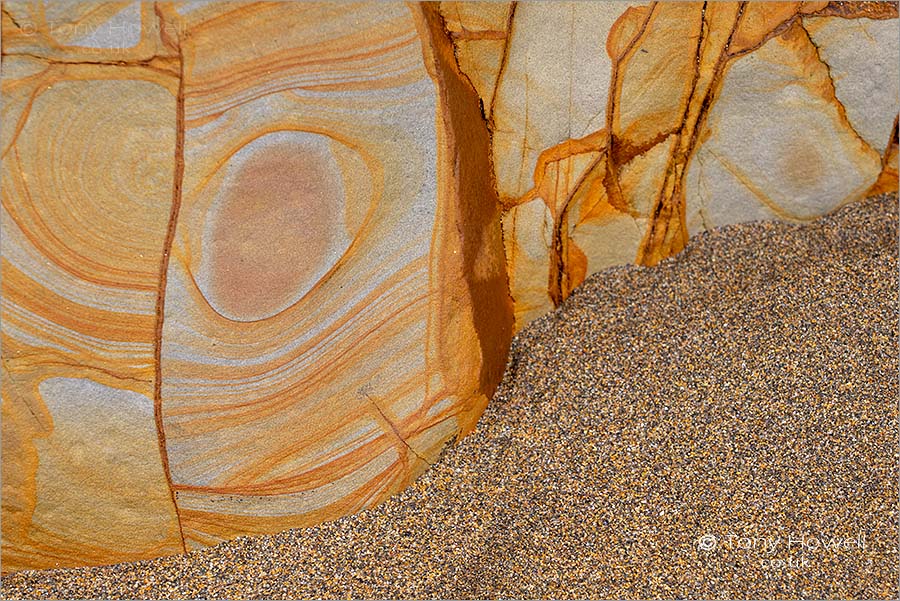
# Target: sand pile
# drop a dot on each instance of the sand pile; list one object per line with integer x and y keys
{"x": 721, "y": 425}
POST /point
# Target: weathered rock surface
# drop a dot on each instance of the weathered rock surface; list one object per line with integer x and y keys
{"x": 250, "y": 282}
{"x": 261, "y": 262}
{"x": 621, "y": 129}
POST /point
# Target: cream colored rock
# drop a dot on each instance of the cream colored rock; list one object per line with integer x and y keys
{"x": 85, "y": 31}
{"x": 862, "y": 56}
{"x": 551, "y": 96}
{"x": 610, "y": 115}
{"x": 553, "y": 88}
{"x": 794, "y": 164}
{"x": 312, "y": 266}
{"x": 528, "y": 229}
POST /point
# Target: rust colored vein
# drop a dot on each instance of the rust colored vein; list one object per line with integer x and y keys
{"x": 46, "y": 233}
{"x": 163, "y": 271}
{"x": 855, "y": 10}
{"x": 26, "y": 112}
{"x": 594, "y": 142}
{"x": 887, "y": 180}
{"x": 558, "y": 258}
{"x": 331, "y": 465}
{"x": 468, "y": 198}
{"x": 160, "y": 64}
{"x": 334, "y": 465}
{"x": 290, "y": 61}
{"x": 723, "y": 60}
{"x": 503, "y": 60}
{"x": 832, "y": 92}
{"x": 256, "y": 408}
{"x": 392, "y": 426}
{"x": 9, "y": 16}
{"x": 893, "y": 142}
{"x": 484, "y": 34}
{"x": 669, "y": 212}
{"x": 658, "y": 232}
{"x": 562, "y": 240}
{"x": 611, "y": 175}
{"x": 774, "y": 33}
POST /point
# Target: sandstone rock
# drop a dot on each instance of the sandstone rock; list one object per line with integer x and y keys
{"x": 83, "y": 481}
{"x": 794, "y": 164}
{"x": 261, "y": 262}
{"x": 774, "y": 110}
{"x": 861, "y": 55}
{"x": 479, "y": 32}
{"x": 250, "y": 283}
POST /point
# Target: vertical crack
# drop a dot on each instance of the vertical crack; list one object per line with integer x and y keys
{"x": 489, "y": 111}
{"x": 164, "y": 268}
{"x": 842, "y": 110}
{"x": 892, "y": 141}
{"x": 611, "y": 173}
{"x": 659, "y": 241}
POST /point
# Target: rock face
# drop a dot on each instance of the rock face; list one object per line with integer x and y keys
{"x": 247, "y": 286}
{"x": 621, "y": 129}
{"x": 261, "y": 262}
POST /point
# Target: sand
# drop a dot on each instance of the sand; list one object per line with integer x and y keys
{"x": 723, "y": 425}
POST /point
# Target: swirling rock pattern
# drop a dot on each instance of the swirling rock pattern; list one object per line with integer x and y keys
{"x": 248, "y": 285}
{"x": 82, "y": 477}
{"x": 261, "y": 262}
